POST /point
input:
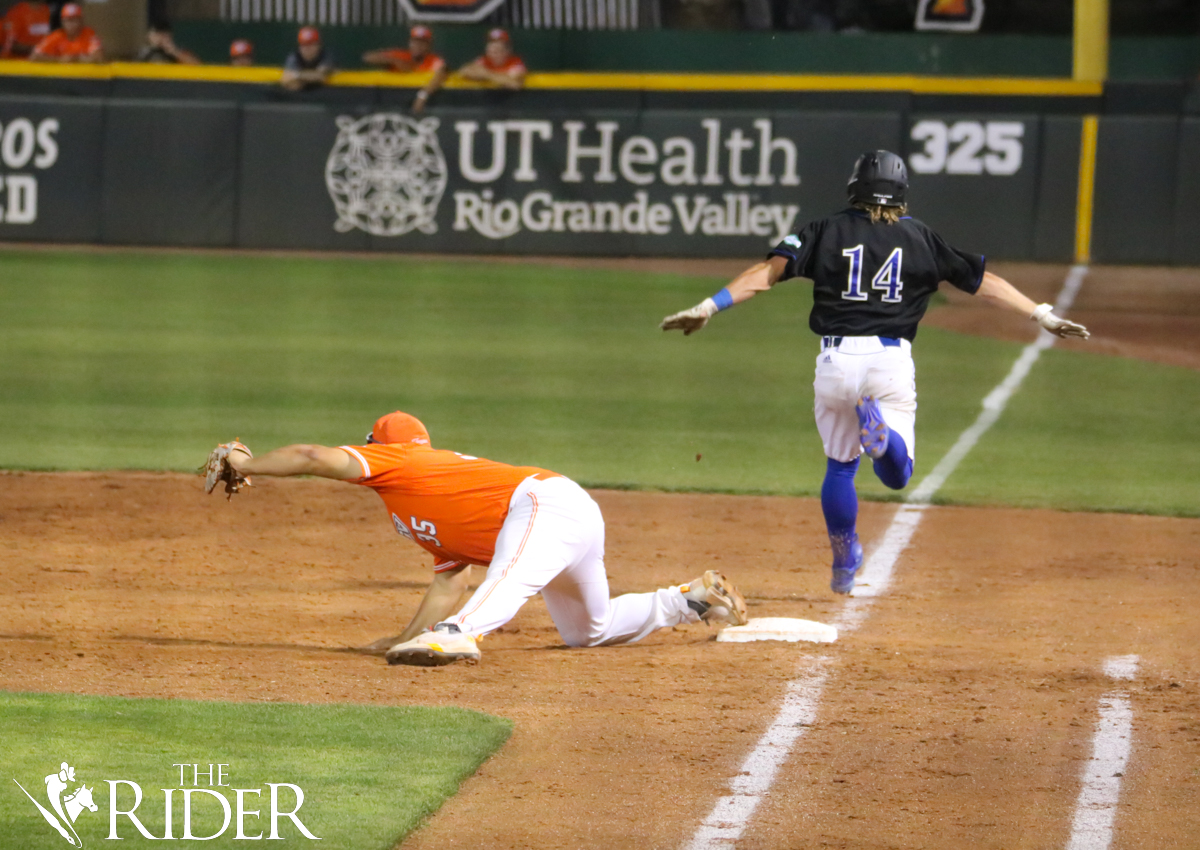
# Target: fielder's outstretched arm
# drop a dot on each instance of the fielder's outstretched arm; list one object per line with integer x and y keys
{"x": 323, "y": 461}
{"x": 1000, "y": 292}
{"x": 758, "y": 278}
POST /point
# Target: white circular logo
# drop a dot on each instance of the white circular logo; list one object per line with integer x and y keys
{"x": 386, "y": 174}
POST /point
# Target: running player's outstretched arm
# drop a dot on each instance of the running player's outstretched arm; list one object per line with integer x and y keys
{"x": 758, "y": 278}
{"x": 323, "y": 461}
{"x": 1000, "y": 292}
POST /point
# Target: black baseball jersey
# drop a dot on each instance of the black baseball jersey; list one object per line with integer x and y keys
{"x": 874, "y": 279}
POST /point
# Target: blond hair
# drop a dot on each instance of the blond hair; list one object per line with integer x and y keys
{"x": 878, "y": 212}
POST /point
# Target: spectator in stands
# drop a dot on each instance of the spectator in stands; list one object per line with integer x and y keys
{"x": 419, "y": 58}
{"x": 160, "y": 48}
{"x": 73, "y": 42}
{"x": 498, "y": 65}
{"x": 241, "y": 53}
{"x": 309, "y": 65}
{"x": 25, "y": 24}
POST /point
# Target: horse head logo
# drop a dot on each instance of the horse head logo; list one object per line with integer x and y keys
{"x": 64, "y": 810}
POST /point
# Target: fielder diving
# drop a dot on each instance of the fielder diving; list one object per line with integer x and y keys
{"x": 873, "y": 270}
{"x": 534, "y": 530}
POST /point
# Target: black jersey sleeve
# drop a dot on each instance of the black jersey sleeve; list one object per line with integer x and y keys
{"x": 963, "y": 270}
{"x": 797, "y": 249}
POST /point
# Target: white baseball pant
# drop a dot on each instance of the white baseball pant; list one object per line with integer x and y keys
{"x": 859, "y": 366}
{"x": 552, "y": 542}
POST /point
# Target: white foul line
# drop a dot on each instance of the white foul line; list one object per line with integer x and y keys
{"x": 1097, "y": 806}
{"x": 729, "y": 817}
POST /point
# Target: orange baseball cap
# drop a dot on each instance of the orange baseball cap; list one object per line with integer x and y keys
{"x": 309, "y": 35}
{"x": 497, "y": 35}
{"x": 241, "y": 47}
{"x": 421, "y": 33}
{"x": 399, "y": 427}
{"x": 71, "y": 10}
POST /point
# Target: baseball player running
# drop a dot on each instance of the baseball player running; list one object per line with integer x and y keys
{"x": 534, "y": 530}
{"x": 873, "y": 270}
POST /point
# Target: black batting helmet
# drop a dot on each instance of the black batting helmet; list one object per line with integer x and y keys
{"x": 879, "y": 178}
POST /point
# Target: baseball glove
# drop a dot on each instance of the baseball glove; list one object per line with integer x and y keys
{"x": 218, "y": 469}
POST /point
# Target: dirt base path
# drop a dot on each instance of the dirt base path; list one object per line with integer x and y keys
{"x": 958, "y": 716}
{"x": 1147, "y": 313}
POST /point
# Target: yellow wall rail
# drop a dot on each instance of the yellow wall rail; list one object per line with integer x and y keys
{"x": 916, "y": 84}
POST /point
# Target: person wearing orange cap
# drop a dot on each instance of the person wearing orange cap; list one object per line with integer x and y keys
{"x": 309, "y": 65}
{"x": 498, "y": 65}
{"x": 73, "y": 42}
{"x": 534, "y": 531}
{"x": 241, "y": 53}
{"x": 417, "y": 59}
{"x": 25, "y": 24}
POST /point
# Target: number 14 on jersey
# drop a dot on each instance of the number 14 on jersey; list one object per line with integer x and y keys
{"x": 887, "y": 279}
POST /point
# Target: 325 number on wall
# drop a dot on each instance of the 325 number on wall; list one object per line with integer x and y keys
{"x": 968, "y": 147}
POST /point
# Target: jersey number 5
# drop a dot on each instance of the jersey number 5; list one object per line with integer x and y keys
{"x": 887, "y": 279}
{"x": 425, "y": 530}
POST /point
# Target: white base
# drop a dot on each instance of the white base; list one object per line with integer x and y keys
{"x": 779, "y": 628}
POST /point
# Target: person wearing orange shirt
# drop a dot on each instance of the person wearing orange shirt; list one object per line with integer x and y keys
{"x": 534, "y": 531}
{"x": 498, "y": 65}
{"x": 25, "y": 24}
{"x": 72, "y": 43}
{"x": 418, "y": 59}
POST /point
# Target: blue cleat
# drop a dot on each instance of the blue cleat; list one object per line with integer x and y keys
{"x": 874, "y": 433}
{"x": 847, "y": 559}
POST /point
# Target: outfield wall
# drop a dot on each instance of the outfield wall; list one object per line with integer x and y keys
{"x": 674, "y": 179}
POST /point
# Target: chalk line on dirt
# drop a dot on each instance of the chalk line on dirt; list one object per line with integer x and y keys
{"x": 1096, "y": 809}
{"x": 732, "y": 812}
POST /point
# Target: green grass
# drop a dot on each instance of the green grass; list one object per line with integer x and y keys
{"x": 1091, "y": 433}
{"x": 369, "y": 774}
{"x": 145, "y": 360}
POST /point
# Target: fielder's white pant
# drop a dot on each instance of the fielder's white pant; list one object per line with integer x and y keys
{"x": 859, "y": 366}
{"x": 552, "y": 542}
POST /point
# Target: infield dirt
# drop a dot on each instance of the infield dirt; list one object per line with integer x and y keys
{"x": 960, "y": 714}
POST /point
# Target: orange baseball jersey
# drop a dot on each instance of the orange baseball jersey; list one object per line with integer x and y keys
{"x": 449, "y": 504}
{"x": 512, "y": 63}
{"x": 25, "y": 24}
{"x": 58, "y": 44}
{"x": 402, "y": 60}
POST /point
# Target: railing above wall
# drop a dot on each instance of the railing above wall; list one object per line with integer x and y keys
{"x": 584, "y": 14}
{"x": 518, "y": 14}
{"x": 315, "y": 12}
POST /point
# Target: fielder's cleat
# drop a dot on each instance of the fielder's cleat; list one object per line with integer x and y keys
{"x": 874, "y": 433}
{"x": 714, "y": 597}
{"x": 847, "y": 559}
{"x": 443, "y": 644}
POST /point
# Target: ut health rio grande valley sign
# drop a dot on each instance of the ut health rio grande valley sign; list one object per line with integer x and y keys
{"x": 463, "y": 11}
{"x": 667, "y": 182}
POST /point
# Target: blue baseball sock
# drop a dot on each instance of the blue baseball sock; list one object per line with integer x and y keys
{"x": 895, "y": 467}
{"x": 839, "y": 500}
